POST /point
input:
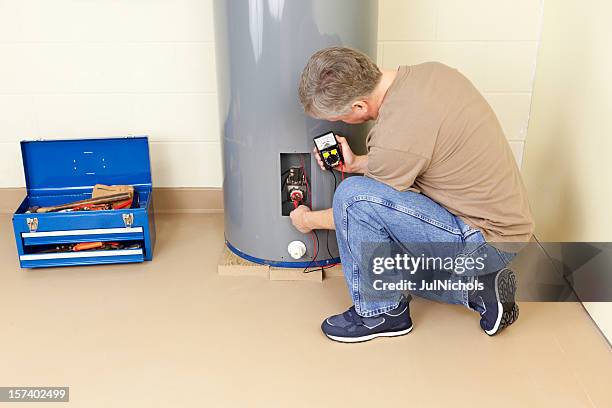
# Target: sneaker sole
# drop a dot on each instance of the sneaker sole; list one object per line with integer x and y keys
{"x": 369, "y": 336}
{"x": 505, "y": 290}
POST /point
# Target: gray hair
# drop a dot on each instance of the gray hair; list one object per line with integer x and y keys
{"x": 334, "y": 78}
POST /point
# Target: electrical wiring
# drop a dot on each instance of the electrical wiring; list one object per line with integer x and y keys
{"x": 323, "y": 267}
{"x": 327, "y": 243}
{"x": 307, "y": 184}
{"x": 315, "y": 244}
{"x": 313, "y": 234}
{"x": 330, "y": 265}
{"x": 284, "y": 179}
{"x": 335, "y": 180}
{"x": 327, "y": 231}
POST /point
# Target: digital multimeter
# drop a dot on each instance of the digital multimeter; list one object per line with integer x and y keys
{"x": 329, "y": 150}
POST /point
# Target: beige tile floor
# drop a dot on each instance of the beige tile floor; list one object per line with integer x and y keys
{"x": 172, "y": 333}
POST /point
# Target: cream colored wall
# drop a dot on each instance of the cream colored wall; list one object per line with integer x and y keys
{"x": 75, "y": 68}
{"x": 494, "y": 43}
{"x": 567, "y": 169}
{"x": 72, "y": 68}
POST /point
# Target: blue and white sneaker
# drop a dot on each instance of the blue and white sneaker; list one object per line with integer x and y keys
{"x": 349, "y": 327}
{"x": 496, "y": 302}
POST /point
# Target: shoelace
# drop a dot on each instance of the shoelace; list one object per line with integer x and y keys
{"x": 353, "y": 316}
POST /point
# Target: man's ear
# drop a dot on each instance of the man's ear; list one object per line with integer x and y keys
{"x": 359, "y": 107}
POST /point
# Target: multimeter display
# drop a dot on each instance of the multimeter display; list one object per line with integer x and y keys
{"x": 324, "y": 141}
{"x": 329, "y": 150}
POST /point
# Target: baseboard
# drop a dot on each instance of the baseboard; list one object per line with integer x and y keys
{"x": 188, "y": 200}
{"x": 167, "y": 200}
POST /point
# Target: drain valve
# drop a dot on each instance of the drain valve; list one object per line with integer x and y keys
{"x": 297, "y": 249}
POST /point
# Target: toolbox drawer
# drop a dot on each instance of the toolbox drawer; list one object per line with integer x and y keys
{"x": 35, "y": 231}
{"x": 81, "y": 258}
{"x": 99, "y": 226}
{"x": 87, "y": 235}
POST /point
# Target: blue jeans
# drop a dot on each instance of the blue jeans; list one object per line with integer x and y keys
{"x": 369, "y": 212}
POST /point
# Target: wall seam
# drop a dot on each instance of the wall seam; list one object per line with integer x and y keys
{"x": 533, "y": 79}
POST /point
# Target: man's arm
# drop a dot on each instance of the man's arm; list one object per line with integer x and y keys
{"x": 306, "y": 220}
{"x": 359, "y": 166}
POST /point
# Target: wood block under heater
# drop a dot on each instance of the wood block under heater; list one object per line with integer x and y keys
{"x": 231, "y": 264}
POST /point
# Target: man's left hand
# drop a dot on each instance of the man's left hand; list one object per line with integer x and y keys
{"x": 299, "y": 219}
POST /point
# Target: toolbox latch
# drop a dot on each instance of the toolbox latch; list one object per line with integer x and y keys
{"x": 32, "y": 224}
{"x": 128, "y": 219}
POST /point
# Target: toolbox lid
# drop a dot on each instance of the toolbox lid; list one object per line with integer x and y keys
{"x": 82, "y": 163}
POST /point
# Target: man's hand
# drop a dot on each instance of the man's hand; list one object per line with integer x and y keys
{"x": 352, "y": 162}
{"x": 306, "y": 220}
{"x": 299, "y": 219}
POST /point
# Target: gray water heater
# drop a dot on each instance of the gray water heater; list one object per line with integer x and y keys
{"x": 262, "y": 47}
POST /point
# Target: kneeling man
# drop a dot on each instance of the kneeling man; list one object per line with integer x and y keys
{"x": 438, "y": 170}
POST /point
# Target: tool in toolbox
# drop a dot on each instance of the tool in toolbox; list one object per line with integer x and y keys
{"x": 102, "y": 198}
{"x": 101, "y": 190}
{"x": 89, "y": 246}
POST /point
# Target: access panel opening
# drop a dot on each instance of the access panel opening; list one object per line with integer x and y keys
{"x": 295, "y": 181}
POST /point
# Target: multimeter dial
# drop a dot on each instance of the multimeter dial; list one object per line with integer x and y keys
{"x": 331, "y": 157}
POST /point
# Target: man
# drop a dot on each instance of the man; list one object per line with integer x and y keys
{"x": 438, "y": 170}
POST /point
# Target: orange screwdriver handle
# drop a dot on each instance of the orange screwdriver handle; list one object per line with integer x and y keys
{"x": 84, "y": 246}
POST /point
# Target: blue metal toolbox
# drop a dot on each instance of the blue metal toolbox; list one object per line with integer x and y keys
{"x": 63, "y": 171}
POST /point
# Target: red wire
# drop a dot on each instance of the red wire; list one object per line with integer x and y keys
{"x": 330, "y": 265}
{"x": 342, "y": 169}
{"x": 314, "y": 244}
{"x": 306, "y": 180}
{"x": 312, "y": 233}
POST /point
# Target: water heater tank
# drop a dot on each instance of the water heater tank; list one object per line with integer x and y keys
{"x": 262, "y": 47}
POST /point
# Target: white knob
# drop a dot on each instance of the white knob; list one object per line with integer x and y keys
{"x": 297, "y": 249}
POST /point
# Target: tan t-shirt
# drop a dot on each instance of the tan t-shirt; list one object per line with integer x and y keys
{"x": 436, "y": 134}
